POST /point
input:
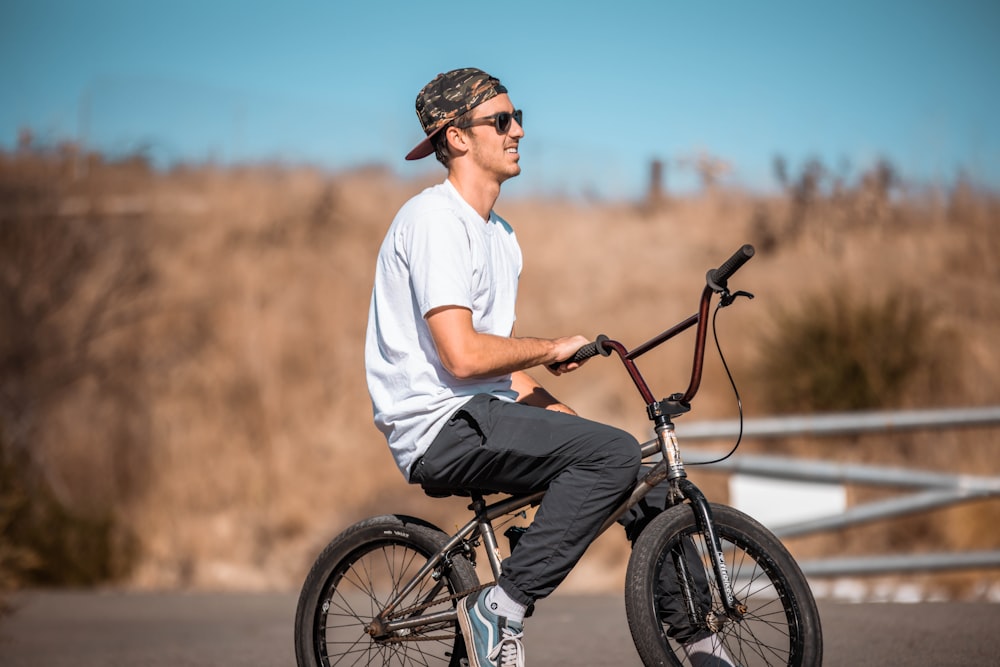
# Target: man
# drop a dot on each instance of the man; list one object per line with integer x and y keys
{"x": 446, "y": 372}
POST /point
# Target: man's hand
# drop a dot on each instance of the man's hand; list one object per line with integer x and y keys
{"x": 566, "y": 348}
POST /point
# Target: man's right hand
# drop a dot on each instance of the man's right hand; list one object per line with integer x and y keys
{"x": 565, "y": 348}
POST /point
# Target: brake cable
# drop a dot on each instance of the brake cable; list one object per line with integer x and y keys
{"x": 726, "y": 299}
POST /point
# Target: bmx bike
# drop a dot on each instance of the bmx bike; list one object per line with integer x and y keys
{"x": 384, "y": 591}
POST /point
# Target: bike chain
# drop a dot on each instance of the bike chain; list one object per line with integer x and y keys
{"x": 421, "y": 607}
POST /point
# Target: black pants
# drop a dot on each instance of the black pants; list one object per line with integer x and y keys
{"x": 585, "y": 468}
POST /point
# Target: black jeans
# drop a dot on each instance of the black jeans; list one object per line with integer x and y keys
{"x": 586, "y": 469}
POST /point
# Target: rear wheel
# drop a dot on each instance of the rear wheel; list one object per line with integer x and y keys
{"x": 781, "y": 623}
{"x": 353, "y": 579}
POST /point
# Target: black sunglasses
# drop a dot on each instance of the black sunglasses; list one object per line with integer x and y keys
{"x": 501, "y": 121}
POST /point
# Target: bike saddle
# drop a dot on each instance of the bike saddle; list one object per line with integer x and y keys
{"x": 442, "y": 492}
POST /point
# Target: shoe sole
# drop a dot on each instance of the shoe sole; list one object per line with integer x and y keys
{"x": 466, "y": 625}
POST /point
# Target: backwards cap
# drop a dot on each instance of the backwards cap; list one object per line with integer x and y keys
{"x": 449, "y": 96}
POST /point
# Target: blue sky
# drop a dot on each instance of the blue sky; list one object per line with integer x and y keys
{"x": 605, "y": 86}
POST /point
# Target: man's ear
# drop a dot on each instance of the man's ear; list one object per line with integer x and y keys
{"x": 458, "y": 142}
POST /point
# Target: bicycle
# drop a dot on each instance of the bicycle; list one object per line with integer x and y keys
{"x": 384, "y": 590}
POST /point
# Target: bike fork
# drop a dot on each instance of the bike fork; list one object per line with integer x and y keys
{"x": 702, "y": 514}
{"x": 703, "y": 518}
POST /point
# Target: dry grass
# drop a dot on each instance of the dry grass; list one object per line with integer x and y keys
{"x": 256, "y": 435}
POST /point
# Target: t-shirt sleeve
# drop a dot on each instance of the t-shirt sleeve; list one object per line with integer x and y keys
{"x": 440, "y": 261}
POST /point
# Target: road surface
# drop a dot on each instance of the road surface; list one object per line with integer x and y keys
{"x": 121, "y": 629}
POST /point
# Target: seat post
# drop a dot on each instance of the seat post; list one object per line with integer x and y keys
{"x": 478, "y": 506}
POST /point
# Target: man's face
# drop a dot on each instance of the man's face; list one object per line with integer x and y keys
{"x": 493, "y": 151}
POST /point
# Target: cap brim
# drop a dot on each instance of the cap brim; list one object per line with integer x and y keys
{"x": 422, "y": 150}
{"x": 425, "y": 147}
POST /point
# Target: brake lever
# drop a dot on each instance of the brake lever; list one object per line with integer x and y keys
{"x": 726, "y": 299}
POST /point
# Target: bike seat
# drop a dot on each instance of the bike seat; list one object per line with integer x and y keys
{"x": 441, "y": 492}
{"x": 445, "y": 493}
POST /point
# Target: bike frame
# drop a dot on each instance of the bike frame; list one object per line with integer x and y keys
{"x": 669, "y": 467}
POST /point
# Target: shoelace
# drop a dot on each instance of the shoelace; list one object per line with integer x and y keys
{"x": 510, "y": 650}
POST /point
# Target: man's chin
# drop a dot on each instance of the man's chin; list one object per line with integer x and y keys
{"x": 515, "y": 171}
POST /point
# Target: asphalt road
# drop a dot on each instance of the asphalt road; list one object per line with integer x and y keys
{"x": 120, "y": 629}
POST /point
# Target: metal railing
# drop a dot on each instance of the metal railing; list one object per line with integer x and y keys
{"x": 935, "y": 489}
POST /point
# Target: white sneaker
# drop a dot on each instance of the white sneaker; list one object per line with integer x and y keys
{"x": 708, "y": 652}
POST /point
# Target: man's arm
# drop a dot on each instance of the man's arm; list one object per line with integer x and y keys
{"x": 467, "y": 353}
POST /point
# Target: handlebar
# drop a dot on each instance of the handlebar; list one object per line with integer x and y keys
{"x": 715, "y": 282}
{"x": 586, "y": 352}
{"x": 590, "y": 350}
{"x": 716, "y": 278}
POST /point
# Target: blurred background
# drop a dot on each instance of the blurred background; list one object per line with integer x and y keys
{"x": 192, "y": 196}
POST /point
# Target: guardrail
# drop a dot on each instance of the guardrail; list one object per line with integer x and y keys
{"x": 937, "y": 489}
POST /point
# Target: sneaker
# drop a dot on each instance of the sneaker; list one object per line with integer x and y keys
{"x": 490, "y": 640}
{"x": 708, "y": 652}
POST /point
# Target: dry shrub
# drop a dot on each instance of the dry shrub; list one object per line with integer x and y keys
{"x": 840, "y": 352}
{"x": 73, "y": 281}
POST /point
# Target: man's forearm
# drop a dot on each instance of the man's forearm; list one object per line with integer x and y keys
{"x": 467, "y": 353}
{"x": 485, "y": 355}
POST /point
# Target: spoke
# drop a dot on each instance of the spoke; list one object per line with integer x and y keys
{"x": 351, "y": 576}
{"x": 419, "y": 651}
{"x": 354, "y": 650}
{"x": 757, "y": 645}
{"x": 390, "y": 568}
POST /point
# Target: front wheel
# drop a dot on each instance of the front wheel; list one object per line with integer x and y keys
{"x": 780, "y": 624}
{"x": 355, "y": 577}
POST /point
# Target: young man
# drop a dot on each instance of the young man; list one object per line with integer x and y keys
{"x": 446, "y": 372}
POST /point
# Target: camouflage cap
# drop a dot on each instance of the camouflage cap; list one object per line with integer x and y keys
{"x": 449, "y": 96}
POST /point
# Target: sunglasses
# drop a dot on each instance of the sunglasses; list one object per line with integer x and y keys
{"x": 501, "y": 121}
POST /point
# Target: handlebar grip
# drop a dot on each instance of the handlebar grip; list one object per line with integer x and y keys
{"x": 586, "y": 352}
{"x": 719, "y": 276}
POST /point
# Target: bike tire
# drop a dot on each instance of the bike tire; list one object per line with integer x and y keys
{"x": 351, "y": 581}
{"x": 781, "y": 625}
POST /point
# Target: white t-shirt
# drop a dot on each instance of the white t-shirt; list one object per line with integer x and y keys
{"x": 437, "y": 252}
